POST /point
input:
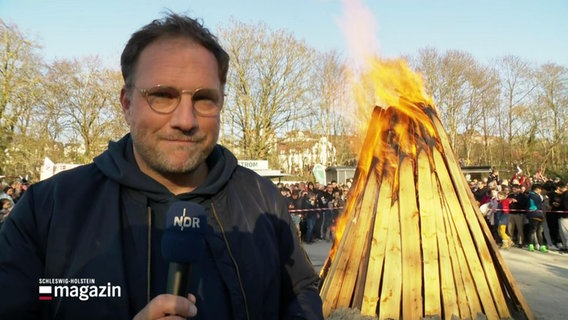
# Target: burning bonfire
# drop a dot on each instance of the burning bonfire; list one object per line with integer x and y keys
{"x": 412, "y": 243}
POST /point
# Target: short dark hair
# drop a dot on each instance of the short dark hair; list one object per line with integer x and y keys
{"x": 172, "y": 25}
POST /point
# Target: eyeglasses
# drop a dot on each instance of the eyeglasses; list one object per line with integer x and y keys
{"x": 164, "y": 99}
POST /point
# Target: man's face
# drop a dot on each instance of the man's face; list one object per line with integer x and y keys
{"x": 169, "y": 145}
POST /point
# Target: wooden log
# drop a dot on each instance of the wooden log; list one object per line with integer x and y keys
{"x": 431, "y": 265}
{"x": 410, "y": 242}
{"x": 500, "y": 267}
{"x": 360, "y": 235}
{"x": 453, "y": 241}
{"x": 472, "y": 295}
{"x": 377, "y": 251}
{"x": 465, "y": 235}
{"x": 364, "y": 166}
{"x": 390, "y": 298}
{"x": 447, "y": 283}
{"x": 467, "y": 291}
{"x": 362, "y": 273}
{"x": 359, "y": 182}
{"x": 341, "y": 277}
{"x": 331, "y": 276}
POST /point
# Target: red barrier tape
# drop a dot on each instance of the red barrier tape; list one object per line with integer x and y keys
{"x": 339, "y": 208}
{"x": 520, "y": 210}
{"x": 314, "y": 209}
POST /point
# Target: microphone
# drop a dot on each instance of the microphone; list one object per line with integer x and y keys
{"x": 183, "y": 243}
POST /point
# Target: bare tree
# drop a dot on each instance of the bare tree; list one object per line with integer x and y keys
{"x": 268, "y": 86}
{"x": 552, "y": 99}
{"x": 516, "y": 89}
{"x": 333, "y": 117}
{"x": 20, "y": 74}
{"x": 483, "y": 108}
{"x": 86, "y": 95}
{"x": 449, "y": 78}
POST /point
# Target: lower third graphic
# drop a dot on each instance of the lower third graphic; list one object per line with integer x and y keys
{"x": 81, "y": 292}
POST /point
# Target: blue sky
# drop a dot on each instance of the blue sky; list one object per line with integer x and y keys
{"x": 536, "y": 31}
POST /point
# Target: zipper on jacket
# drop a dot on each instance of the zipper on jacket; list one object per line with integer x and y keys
{"x": 149, "y": 253}
{"x": 232, "y": 258}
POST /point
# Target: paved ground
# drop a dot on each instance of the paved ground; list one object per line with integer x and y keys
{"x": 542, "y": 277}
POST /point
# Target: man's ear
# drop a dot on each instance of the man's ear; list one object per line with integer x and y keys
{"x": 125, "y": 103}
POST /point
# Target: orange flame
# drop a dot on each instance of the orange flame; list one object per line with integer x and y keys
{"x": 393, "y": 84}
{"x": 381, "y": 82}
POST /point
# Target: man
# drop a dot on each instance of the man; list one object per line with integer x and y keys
{"x": 563, "y": 220}
{"x": 536, "y": 217}
{"x": 557, "y": 206}
{"x": 517, "y": 215}
{"x": 104, "y": 221}
{"x": 326, "y": 198}
{"x": 295, "y": 203}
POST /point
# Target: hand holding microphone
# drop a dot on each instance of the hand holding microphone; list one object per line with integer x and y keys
{"x": 183, "y": 243}
{"x": 168, "y": 306}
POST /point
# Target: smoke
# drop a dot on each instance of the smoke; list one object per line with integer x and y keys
{"x": 358, "y": 27}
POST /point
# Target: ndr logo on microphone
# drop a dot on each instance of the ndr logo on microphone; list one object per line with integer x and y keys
{"x": 185, "y": 221}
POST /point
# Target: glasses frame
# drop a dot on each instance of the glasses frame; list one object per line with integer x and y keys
{"x": 145, "y": 92}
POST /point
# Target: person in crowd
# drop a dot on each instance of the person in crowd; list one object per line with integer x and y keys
{"x": 548, "y": 190}
{"x": 326, "y": 201}
{"x": 295, "y": 203}
{"x": 334, "y": 185}
{"x": 539, "y": 177}
{"x": 502, "y": 219}
{"x": 302, "y": 186}
{"x": 311, "y": 214}
{"x": 17, "y": 185}
{"x": 494, "y": 177}
{"x": 286, "y": 193}
{"x": 506, "y": 189}
{"x": 522, "y": 179}
{"x": 552, "y": 217}
{"x": 489, "y": 208}
{"x": 535, "y": 215}
{"x": 480, "y": 191}
{"x": 563, "y": 217}
{"x": 321, "y": 206}
{"x": 5, "y": 209}
{"x": 105, "y": 220}
{"x": 7, "y": 193}
{"x": 518, "y": 205}
{"x": 338, "y": 204}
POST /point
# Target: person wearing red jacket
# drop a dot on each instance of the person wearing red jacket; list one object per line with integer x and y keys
{"x": 502, "y": 219}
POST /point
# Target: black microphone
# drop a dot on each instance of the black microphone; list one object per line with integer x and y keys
{"x": 183, "y": 243}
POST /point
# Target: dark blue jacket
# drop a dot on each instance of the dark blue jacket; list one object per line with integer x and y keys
{"x": 95, "y": 223}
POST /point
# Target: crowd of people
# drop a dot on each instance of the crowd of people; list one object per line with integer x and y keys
{"x": 10, "y": 193}
{"x": 525, "y": 211}
{"x": 314, "y": 207}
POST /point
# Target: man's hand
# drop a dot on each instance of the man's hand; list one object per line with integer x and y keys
{"x": 168, "y": 306}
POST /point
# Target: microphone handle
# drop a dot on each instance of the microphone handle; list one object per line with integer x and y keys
{"x": 178, "y": 279}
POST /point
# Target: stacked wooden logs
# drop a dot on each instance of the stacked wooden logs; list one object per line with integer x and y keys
{"x": 412, "y": 243}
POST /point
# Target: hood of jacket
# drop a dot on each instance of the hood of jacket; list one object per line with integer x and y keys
{"x": 118, "y": 164}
